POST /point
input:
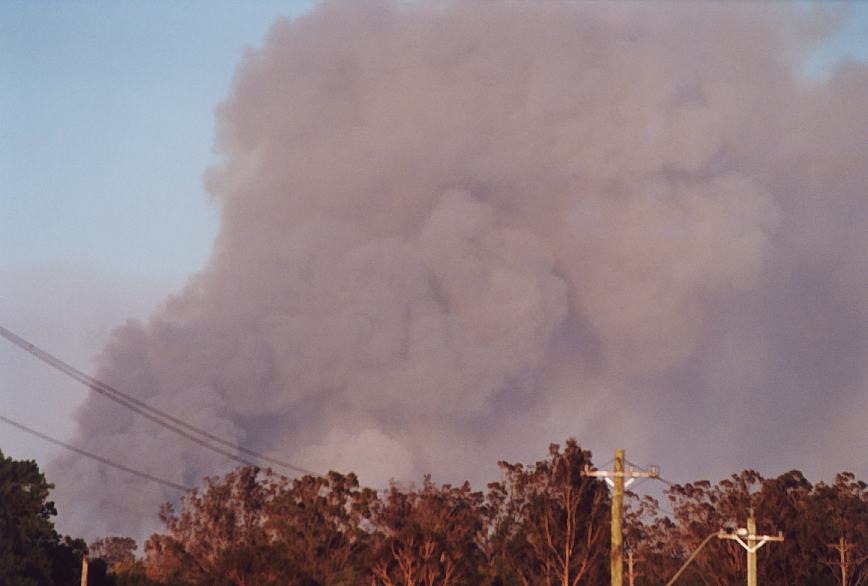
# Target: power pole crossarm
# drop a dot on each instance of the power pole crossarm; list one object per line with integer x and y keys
{"x": 757, "y": 541}
{"x": 751, "y": 542}
{"x": 754, "y": 542}
{"x": 629, "y": 476}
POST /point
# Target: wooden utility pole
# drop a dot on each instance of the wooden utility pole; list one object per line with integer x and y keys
{"x": 751, "y": 543}
{"x": 847, "y": 560}
{"x": 631, "y": 576}
{"x": 615, "y": 479}
{"x": 84, "y": 570}
{"x": 751, "y": 550}
{"x": 615, "y": 555}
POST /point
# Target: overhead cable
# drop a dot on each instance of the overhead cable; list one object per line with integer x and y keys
{"x": 100, "y": 459}
{"x": 158, "y": 416}
{"x": 657, "y": 477}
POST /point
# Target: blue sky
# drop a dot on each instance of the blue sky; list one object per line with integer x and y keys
{"x": 850, "y": 41}
{"x": 106, "y": 126}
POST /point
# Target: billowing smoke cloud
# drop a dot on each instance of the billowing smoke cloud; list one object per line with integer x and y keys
{"x": 452, "y": 233}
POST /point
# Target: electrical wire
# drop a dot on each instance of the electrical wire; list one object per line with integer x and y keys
{"x": 605, "y": 464}
{"x": 92, "y": 456}
{"x": 656, "y": 477}
{"x": 158, "y": 416}
{"x": 669, "y": 483}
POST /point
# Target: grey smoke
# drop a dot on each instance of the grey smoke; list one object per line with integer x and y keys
{"x": 453, "y": 233}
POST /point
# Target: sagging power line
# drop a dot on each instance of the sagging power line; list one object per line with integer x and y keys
{"x": 95, "y": 457}
{"x": 166, "y": 420}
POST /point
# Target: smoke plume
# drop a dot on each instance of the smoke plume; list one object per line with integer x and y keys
{"x": 453, "y": 233}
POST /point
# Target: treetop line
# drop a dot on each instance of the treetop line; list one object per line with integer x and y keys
{"x": 546, "y": 524}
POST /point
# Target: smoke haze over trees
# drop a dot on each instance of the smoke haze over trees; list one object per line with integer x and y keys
{"x": 541, "y": 524}
{"x": 544, "y": 524}
{"x": 452, "y": 231}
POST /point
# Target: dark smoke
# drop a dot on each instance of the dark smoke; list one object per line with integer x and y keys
{"x": 453, "y": 233}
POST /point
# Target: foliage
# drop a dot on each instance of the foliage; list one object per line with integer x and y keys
{"x": 428, "y": 536}
{"x": 843, "y": 508}
{"x": 550, "y": 521}
{"x": 318, "y": 525}
{"x": 219, "y": 533}
{"x": 545, "y": 524}
{"x": 114, "y": 551}
{"x": 32, "y": 553}
{"x": 825, "y": 529}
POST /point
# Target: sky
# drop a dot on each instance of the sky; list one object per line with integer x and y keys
{"x": 106, "y": 127}
{"x": 107, "y": 124}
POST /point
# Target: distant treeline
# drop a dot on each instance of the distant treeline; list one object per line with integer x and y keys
{"x": 543, "y": 524}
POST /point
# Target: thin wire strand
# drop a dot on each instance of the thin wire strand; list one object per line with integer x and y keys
{"x": 667, "y": 482}
{"x": 657, "y": 477}
{"x": 603, "y": 466}
{"x": 158, "y": 416}
{"x": 92, "y": 456}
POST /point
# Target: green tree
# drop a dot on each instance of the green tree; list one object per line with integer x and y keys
{"x": 32, "y": 553}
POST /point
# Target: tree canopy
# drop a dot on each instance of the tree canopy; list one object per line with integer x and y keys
{"x": 543, "y": 524}
{"x": 32, "y": 553}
